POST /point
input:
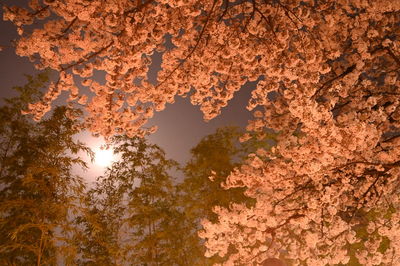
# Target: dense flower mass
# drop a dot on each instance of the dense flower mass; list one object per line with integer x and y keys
{"x": 327, "y": 76}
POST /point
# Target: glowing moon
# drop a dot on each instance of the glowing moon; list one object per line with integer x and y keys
{"x": 104, "y": 157}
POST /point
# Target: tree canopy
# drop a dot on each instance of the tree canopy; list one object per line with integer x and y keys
{"x": 212, "y": 160}
{"x": 130, "y": 211}
{"x": 327, "y": 75}
{"x": 38, "y": 191}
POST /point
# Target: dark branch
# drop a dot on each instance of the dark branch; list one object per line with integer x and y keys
{"x": 192, "y": 50}
{"x": 329, "y": 82}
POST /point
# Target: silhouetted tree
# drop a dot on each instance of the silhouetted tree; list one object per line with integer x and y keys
{"x": 38, "y": 192}
{"x": 212, "y": 160}
{"x": 131, "y": 213}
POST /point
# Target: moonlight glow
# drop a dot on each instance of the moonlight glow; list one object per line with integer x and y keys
{"x": 104, "y": 157}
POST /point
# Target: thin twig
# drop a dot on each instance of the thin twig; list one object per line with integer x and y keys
{"x": 329, "y": 82}
{"x": 85, "y": 58}
{"x": 191, "y": 51}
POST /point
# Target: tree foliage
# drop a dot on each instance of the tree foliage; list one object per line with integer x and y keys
{"x": 138, "y": 215}
{"x": 38, "y": 192}
{"x": 212, "y": 160}
{"x": 327, "y": 75}
{"x": 131, "y": 213}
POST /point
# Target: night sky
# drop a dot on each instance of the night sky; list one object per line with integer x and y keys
{"x": 180, "y": 125}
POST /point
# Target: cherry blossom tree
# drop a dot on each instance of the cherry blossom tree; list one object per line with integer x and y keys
{"x": 327, "y": 79}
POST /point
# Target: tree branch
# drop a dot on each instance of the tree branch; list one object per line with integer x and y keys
{"x": 193, "y": 49}
{"x": 329, "y": 82}
{"x": 88, "y": 57}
